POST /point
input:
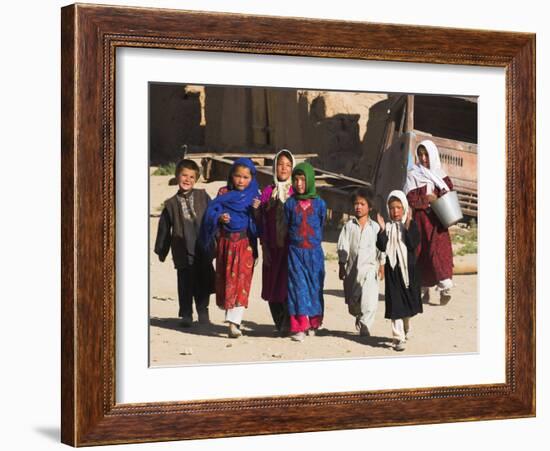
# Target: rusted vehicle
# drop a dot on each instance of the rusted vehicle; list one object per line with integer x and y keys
{"x": 403, "y": 121}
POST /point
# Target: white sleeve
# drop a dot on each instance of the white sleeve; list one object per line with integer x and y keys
{"x": 343, "y": 245}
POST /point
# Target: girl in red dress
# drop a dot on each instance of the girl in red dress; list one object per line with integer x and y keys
{"x": 426, "y": 181}
{"x": 230, "y": 221}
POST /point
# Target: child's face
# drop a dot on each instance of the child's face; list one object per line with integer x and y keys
{"x": 423, "y": 157}
{"x": 284, "y": 168}
{"x": 361, "y": 207}
{"x": 187, "y": 179}
{"x": 396, "y": 210}
{"x": 300, "y": 183}
{"x": 241, "y": 178}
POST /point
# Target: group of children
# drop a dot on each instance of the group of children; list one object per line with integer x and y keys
{"x": 287, "y": 219}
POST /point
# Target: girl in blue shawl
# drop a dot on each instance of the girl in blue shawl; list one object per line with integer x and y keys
{"x": 229, "y": 224}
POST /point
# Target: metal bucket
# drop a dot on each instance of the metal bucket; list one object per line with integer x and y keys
{"x": 447, "y": 209}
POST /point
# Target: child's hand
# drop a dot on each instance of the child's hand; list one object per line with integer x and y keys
{"x": 409, "y": 219}
{"x": 225, "y": 218}
{"x": 381, "y": 272}
{"x": 380, "y": 221}
{"x": 431, "y": 197}
{"x": 342, "y": 272}
{"x": 256, "y": 203}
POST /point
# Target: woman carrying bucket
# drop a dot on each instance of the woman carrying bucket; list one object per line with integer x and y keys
{"x": 426, "y": 182}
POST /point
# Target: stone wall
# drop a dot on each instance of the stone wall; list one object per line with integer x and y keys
{"x": 335, "y": 125}
{"x": 175, "y": 120}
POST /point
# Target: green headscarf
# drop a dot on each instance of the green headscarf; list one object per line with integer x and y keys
{"x": 309, "y": 173}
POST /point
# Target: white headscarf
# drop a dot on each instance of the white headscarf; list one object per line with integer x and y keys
{"x": 396, "y": 249}
{"x": 280, "y": 191}
{"x": 419, "y": 176}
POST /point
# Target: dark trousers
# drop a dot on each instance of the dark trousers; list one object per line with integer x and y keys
{"x": 188, "y": 290}
{"x": 279, "y": 313}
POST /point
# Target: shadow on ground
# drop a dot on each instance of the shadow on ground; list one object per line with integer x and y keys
{"x": 209, "y": 330}
{"x": 373, "y": 341}
{"x": 250, "y": 328}
{"x": 253, "y": 329}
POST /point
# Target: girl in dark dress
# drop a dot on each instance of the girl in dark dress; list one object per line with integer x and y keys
{"x": 399, "y": 239}
{"x": 426, "y": 182}
{"x": 274, "y": 239}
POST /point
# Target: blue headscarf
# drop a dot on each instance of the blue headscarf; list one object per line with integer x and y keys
{"x": 237, "y": 203}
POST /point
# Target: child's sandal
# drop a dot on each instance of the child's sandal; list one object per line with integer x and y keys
{"x": 399, "y": 346}
{"x": 234, "y": 331}
{"x": 300, "y": 336}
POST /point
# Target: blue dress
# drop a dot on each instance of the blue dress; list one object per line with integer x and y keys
{"x": 306, "y": 262}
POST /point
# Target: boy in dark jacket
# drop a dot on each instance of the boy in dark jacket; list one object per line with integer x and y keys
{"x": 178, "y": 231}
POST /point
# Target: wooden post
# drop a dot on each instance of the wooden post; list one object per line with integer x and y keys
{"x": 409, "y": 123}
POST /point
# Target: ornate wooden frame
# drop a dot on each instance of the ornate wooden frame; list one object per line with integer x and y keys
{"x": 90, "y": 35}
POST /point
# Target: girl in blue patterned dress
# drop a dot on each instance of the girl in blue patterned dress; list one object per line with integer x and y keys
{"x": 305, "y": 213}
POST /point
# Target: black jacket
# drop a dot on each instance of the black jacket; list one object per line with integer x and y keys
{"x": 170, "y": 233}
{"x": 170, "y": 236}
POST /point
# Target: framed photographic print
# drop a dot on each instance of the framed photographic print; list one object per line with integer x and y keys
{"x": 176, "y": 129}
{"x": 362, "y": 141}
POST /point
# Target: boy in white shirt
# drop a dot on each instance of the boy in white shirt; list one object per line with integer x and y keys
{"x": 361, "y": 263}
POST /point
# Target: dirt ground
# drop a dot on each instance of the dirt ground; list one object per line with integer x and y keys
{"x": 439, "y": 330}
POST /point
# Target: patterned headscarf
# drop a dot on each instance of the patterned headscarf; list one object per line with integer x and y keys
{"x": 309, "y": 173}
{"x": 281, "y": 188}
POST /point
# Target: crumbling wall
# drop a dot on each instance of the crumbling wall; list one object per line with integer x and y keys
{"x": 228, "y": 118}
{"x": 174, "y": 121}
{"x": 335, "y": 125}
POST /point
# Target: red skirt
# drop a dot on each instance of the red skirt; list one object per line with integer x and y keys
{"x": 234, "y": 269}
{"x": 435, "y": 252}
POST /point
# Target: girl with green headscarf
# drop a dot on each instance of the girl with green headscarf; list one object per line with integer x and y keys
{"x": 305, "y": 214}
